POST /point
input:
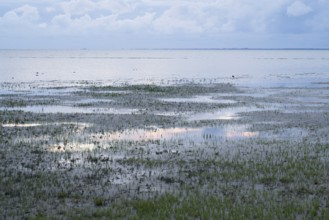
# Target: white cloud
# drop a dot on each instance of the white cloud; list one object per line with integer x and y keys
{"x": 178, "y": 19}
{"x": 80, "y": 7}
{"x": 98, "y": 17}
{"x": 62, "y": 20}
{"x": 117, "y": 7}
{"x": 298, "y": 8}
{"x": 175, "y": 17}
{"x": 163, "y": 16}
{"x": 214, "y": 17}
{"x": 25, "y": 14}
{"x": 77, "y": 7}
{"x": 139, "y": 23}
{"x": 85, "y": 24}
{"x": 50, "y": 9}
{"x": 181, "y": 19}
{"x": 65, "y": 25}
{"x": 43, "y": 25}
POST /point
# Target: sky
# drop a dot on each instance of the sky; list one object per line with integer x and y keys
{"x": 140, "y": 24}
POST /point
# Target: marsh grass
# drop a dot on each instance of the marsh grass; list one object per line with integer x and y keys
{"x": 291, "y": 199}
{"x": 11, "y": 103}
{"x": 45, "y": 173}
{"x": 99, "y": 201}
{"x": 218, "y": 187}
{"x": 147, "y": 162}
{"x": 184, "y": 90}
{"x": 199, "y": 206}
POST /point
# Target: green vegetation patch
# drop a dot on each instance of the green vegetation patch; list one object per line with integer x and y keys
{"x": 11, "y": 103}
{"x": 196, "y": 205}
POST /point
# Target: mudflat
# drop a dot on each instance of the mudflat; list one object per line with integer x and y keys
{"x": 185, "y": 150}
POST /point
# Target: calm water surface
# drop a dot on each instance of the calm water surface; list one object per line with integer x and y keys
{"x": 249, "y": 67}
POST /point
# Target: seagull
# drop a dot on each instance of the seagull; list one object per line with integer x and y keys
{"x": 233, "y": 76}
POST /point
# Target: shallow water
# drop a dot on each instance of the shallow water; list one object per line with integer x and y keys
{"x": 186, "y": 134}
{"x": 70, "y": 109}
{"x": 200, "y": 99}
{"x": 249, "y": 67}
{"x": 209, "y": 133}
{"x": 222, "y": 114}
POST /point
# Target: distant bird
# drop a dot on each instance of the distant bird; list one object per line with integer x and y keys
{"x": 233, "y": 76}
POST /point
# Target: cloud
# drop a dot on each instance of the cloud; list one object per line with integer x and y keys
{"x": 110, "y": 24}
{"x": 178, "y": 19}
{"x": 50, "y": 10}
{"x": 24, "y": 14}
{"x": 98, "y": 17}
{"x": 172, "y": 17}
{"x": 215, "y": 17}
{"x": 298, "y": 8}
{"x": 194, "y": 17}
{"x": 80, "y": 7}
{"x": 162, "y": 19}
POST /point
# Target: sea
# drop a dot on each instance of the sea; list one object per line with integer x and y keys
{"x": 245, "y": 67}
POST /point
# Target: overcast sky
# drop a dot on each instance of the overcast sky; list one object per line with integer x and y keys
{"x": 116, "y": 24}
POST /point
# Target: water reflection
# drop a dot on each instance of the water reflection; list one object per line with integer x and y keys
{"x": 20, "y": 125}
{"x": 188, "y": 134}
{"x": 28, "y": 125}
{"x": 182, "y": 135}
{"x": 71, "y": 109}
{"x": 200, "y": 99}
{"x": 221, "y": 115}
{"x": 71, "y": 147}
{"x": 165, "y": 64}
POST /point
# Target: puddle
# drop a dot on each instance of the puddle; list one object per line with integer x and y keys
{"x": 182, "y": 135}
{"x": 121, "y": 92}
{"x": 29, "y": 125}
{"x": 20, "y": 125}
{"x": 285, "y": 134}
{"x": 87, "y": 101}
{"x": 70, "y": 109}
{"x": 223, "y": 114}
{"x": 52, "y": 91}
{"x": 188, "y": 134}
{"x": 171, "y": 114}
{"x": 200, "y": 99}
{"x": 33, "y": 91}
{"x": 9, "y": 92}
{"x": 313, "y": 100}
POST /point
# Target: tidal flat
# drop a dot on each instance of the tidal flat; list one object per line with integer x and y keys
{"x": 205, "y": 150}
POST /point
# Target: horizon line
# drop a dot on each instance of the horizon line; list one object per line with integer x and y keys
{"x": 169, "y": 48}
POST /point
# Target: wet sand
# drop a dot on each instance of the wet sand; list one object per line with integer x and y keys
{"x": 198, "y": 150}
